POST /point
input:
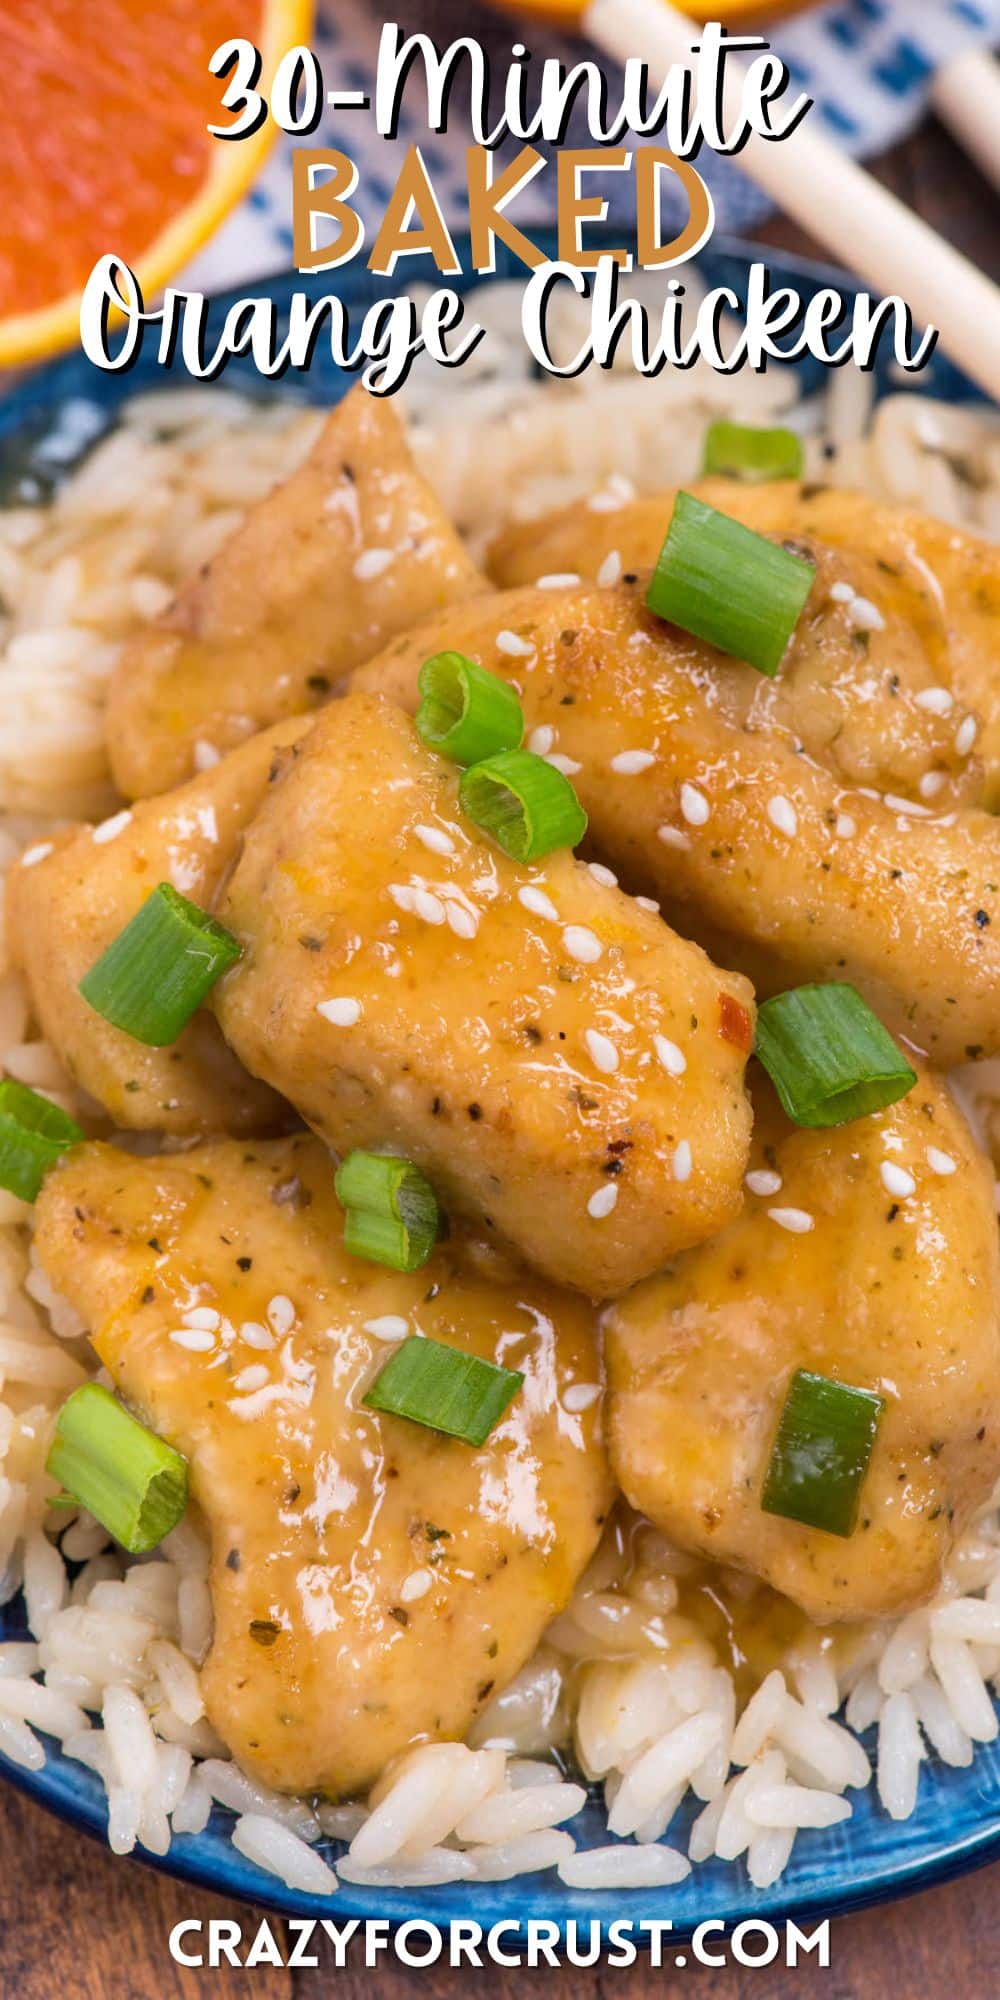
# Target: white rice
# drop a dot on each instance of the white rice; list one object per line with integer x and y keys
{"x": 524, "y": 1854}
{"x": 282, "y": 1853}
{"x": 527, "y": 1809}
{"x": 436, "y": 1865}
{"x": 193, "y": 1810}
{"x": 624, "y": 1867}
{"x": 794, "y": 1806}
{"x": 628, "y": 1676}
{"x": 900, "y": 1754}
{"x": 668, "y": 1763}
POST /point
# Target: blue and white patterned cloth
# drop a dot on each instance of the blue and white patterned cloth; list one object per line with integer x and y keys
{"x": 866, "y": 63}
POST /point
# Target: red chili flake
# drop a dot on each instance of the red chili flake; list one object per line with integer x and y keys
{"x": 734, "y": 1022}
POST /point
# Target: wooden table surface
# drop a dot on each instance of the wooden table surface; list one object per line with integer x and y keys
{"x": 79, "y": 1925}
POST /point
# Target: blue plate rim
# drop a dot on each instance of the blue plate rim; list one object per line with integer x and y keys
{"x": 246, "y": 1883}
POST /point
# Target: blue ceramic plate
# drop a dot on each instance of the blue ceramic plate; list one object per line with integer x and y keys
{"x": 868, "y": 1859}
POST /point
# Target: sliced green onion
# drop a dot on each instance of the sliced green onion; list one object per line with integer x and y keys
{"x": 826, "y": 1434}
{"x": 828, "y": 1056}
{"x": 528, "y": 806}
{"x": 159, "y": 968}
{"x": 726, "y": 585}
{"x": 466, "y": 712}
{"x": 33, "y": 1133}
{"x": 445, "y": 1390}
{"x": 131, "y": 1482}
{"x": 391, "y": 1215}
{"x": 743, "y": 451}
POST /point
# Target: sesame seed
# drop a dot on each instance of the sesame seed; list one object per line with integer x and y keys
{"x": 428, "y": 907}
{"x": 782, "y": 815}
{"x": 673, "y": 1059}
{"x": 254, "y": 1377}
{"x": 205, "y": 755}
{"x": 582, "y": 944}
{"x": 846, "y": 827}
{"x": 610, "y": 570}
{"x": 194, "y": 1338}
{"x": 249, "y": 1408}
{"x": 256, "y": 1335}
{"x": 672, "y": 836}
{"x": 416, "y": 1585}
{"x": 567, "y": 765}
{"x": 343, "y": 1013}
{"x": 763, "y": 1181}
{"x": 435, "y": 838}
{"x": 602, "y": 1201}
{"x": 682, "y": 1162}
{"x": 388, "y": 1326}
{"x": 605, "y": 876}
{"x": 281, "y": 1313}
{"x": 542, "y": 740}
{"x": 629, "y": 763}
{"x": 602, "y": 1051}
{"x": 940, "y": 1163}
{"x": 204, "y": 1317}
{"x": 865, "y": 616}
{"x": 110, "y": 827}
{"x": 907, "y": 807}
{"x": 580, "y": 1396}
{"x": 535, "y": 900}
{"x": 965, "y": 735}
{"x": 508, "y": 642}
{"x": 615, "y": 492}
{"x": 37, "y": 853}
{"x": 896, "y": 1181}
{"x": 861, "y": 612}
{"x": 931, "y": 784}
{"x": 694, "y": 806}
{"x": 371, "y": 563}
{"x": 797, "y": 1221}
{"x": 936, "y": 700}
{"x": 558, "y": 579}
{"x": 647, "y": 903}
{"x": 463, "y": 922}
{"x": 208, "y": 827}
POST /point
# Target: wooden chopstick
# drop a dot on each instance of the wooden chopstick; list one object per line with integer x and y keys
{"x": 966, "y": 96}
{"x": 866, "y": 227}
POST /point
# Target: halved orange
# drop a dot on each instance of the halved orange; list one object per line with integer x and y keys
{"x": 104, "y": 147}
{"x": 739, "y": 10}
{"x": 750, "y": 13}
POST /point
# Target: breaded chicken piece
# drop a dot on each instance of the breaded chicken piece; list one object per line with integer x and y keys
{"x": 63, "y": 910}
{"x": 351, "y": 549}
{"x": 373, "y": 1581}
{"x": 832, "y": 1272}
{"x": 897, "y": 647}
{"x": 771, "y": 857}
{"x": 564, "y": 1069}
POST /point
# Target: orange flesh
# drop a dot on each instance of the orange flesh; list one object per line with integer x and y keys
{"x": 104, "y": 130}
{"x": 749, "y": 13}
